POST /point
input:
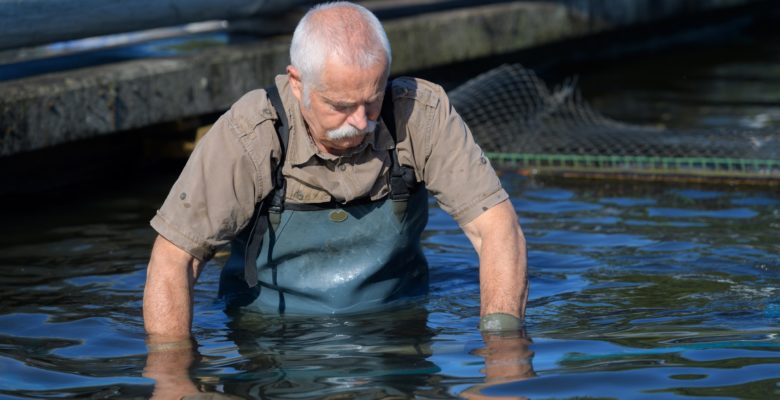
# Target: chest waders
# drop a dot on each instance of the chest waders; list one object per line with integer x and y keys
{"x": 330, "y": 258}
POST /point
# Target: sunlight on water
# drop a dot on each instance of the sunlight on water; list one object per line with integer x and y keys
{"x": 638, "y": 291}
{"x": 620, "y": 293}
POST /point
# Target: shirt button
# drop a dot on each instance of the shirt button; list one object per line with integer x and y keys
{"x": 299, "y": 195}
{"x": 343, "y": 167}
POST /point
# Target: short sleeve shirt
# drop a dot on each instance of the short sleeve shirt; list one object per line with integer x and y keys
{"x": 230, "y": 170}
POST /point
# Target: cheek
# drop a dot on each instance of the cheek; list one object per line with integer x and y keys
{"x": 330, "y": 119}
{"x": 325, "y": 116}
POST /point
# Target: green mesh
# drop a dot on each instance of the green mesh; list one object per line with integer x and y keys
{"x": 519, "y": 122}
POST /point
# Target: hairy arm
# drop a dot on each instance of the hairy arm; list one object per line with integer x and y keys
{"x": 503, "y": 275}
{"x": 170, "y": 278}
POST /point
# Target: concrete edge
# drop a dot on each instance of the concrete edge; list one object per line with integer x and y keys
{"x": 57, "y": 108}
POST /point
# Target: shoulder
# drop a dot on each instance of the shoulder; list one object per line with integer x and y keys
{"x": 419, "y": 105}
{"x": 407, "y": 89}
{"x": 251, "y": 110}
{"x": 249, "y": 125}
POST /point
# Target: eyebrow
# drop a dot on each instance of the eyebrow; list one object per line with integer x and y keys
{"x": 337, "y": 103}
{"x": 348, "y": 104}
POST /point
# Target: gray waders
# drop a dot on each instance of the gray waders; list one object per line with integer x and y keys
{"x": 330, "y": 258}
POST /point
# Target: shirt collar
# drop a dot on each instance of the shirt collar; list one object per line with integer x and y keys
{"x": 301, "y": 147}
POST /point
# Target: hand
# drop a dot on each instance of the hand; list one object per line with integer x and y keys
{"x": 168, "y": 363}
{"x": 507, "y": 359}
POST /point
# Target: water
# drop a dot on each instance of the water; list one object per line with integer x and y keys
{"x": 638, "y": 291}
{"x": 726, "y": 82}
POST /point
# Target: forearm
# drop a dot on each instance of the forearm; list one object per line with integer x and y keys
{"x": 499, "y": 241}
{"x": 167, "y": 305}
{"x": 503, "y": 278}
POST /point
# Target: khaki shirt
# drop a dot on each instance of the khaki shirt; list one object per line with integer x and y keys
{"x": 230, "y": 169}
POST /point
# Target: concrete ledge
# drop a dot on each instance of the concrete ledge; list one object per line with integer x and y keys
{"x": 57, "y": 108}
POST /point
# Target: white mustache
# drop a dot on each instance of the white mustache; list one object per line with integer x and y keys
{"x": 347, "y": 131}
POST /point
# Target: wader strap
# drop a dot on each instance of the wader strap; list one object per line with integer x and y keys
{"x": 283, "y": 131}
{"x": 253, "y": 244}
{"x": 269, "y": 209}
{"x": 401, "y": 177}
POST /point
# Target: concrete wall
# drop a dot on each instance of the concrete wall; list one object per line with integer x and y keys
{"x": 57, "y": 108}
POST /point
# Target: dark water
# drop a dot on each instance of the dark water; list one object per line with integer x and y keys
{"x": 723, "y": 82}
{"x": 638, "y": 291}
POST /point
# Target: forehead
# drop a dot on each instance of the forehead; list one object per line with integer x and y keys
{"x": 351, "y": 81}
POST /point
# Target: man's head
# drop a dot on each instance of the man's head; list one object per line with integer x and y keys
{"x": 340, "y": 60}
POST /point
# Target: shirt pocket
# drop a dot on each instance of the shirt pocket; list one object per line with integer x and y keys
{"x": 299, "y": 193}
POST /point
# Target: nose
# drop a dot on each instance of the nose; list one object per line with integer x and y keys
{"x": 359, "y": 118}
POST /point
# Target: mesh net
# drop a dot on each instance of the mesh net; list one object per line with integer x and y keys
{"x": 519, "y": 121}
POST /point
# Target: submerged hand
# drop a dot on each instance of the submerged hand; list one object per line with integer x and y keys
{"x": 507, "y": 359}
{"x": 168, "y": 363}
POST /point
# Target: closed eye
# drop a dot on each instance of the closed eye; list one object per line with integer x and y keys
{"x": 343, "y": 107}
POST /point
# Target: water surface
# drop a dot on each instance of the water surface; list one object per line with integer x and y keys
{"x": 638, "y": 291}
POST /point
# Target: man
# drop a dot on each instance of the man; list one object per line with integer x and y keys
{"x": 344, "y": 234}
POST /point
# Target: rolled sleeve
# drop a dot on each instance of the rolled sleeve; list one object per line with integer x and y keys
{"x": 173, "y": 234}
{"x": 216, "y": 192}
{"x": 471, "y": 211}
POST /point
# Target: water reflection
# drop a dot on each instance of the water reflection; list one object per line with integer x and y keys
{"x": 170, "y": 370}
{"x": 637, "y": 291}
{"x": 712, "y": 366}
{"x": 507, "y": 359}
{"x": 681, "y": 298}
{"x": 383, "y": 355}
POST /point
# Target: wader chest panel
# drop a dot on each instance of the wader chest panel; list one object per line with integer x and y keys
{"x": 353, "y": 258}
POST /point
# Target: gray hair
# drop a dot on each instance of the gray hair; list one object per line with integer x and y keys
{"x": 355, "y": 38}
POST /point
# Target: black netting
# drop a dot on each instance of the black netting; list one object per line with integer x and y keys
{"x": 512, "y": 112}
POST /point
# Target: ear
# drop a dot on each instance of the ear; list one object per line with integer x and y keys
{"x": 295, "y": 82}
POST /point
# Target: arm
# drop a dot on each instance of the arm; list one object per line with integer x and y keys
{"x": 167, "y": 310}
{"x": 503, "y": 279}
{"x": 454, "y": 168}
{"x": 212, "y": 200}
{"x": 170, "y": 278}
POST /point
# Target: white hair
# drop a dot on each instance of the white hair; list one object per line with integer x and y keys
{"x": 354, "y": 38}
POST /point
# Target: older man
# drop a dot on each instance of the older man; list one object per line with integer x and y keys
{"x": 321, "y": 185}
